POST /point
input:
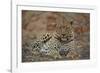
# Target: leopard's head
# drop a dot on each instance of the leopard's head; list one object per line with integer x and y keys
{"x": 64, "y": 33}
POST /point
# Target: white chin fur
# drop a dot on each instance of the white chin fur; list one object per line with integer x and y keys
{"x": 64, "y": 39}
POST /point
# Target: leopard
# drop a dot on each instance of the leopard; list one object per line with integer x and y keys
{"x": 57, "y": 44}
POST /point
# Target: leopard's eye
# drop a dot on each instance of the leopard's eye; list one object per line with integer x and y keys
{"x": 45, "y": 37}
{"x": 47, "y": 34}
{"x": 67, "y": 38}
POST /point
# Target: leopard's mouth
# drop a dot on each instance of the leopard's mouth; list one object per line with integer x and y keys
{"x": 64, "y": 38}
